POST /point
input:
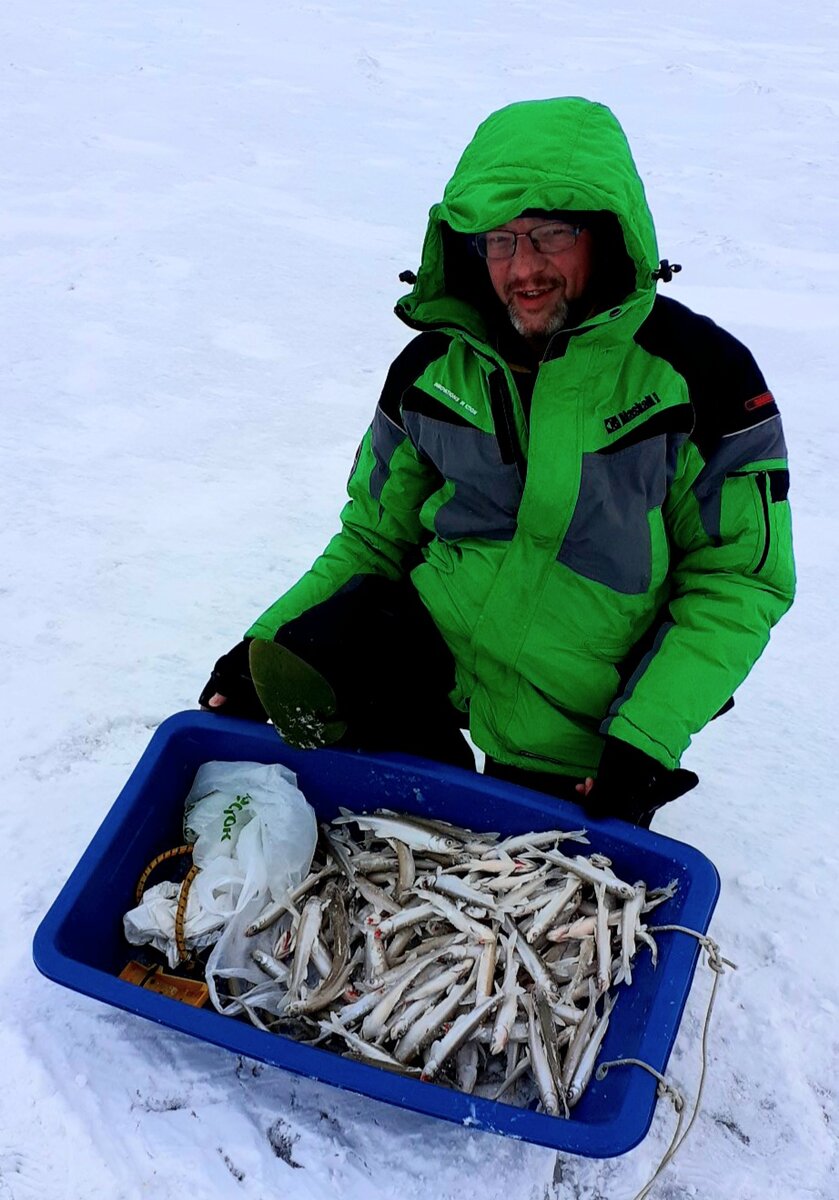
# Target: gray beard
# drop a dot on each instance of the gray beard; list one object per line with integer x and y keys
{"x": 554, "y": 323}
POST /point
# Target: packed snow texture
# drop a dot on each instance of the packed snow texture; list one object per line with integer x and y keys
{"x": 205, "y": 209}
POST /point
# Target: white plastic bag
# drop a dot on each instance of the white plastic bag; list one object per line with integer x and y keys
{"x": 152, "y": 922}
{"x": 254, "y": 835}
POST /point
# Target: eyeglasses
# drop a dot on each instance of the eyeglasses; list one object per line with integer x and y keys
{"x": 551, "y": 238}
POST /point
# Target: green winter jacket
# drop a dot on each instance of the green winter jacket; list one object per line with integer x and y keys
{"x": 612, "y": 560}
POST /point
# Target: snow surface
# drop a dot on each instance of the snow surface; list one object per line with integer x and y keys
{"x": 204, "y": 211}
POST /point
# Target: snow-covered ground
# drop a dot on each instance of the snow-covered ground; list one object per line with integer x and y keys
{"x": 205, "y": 208}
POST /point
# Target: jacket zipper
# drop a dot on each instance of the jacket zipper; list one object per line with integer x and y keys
{"x": 501, "y": 404}
{"x": 761, "y": 479}
{"x": 762, "y": 487}
{"x": 538, "y": 757}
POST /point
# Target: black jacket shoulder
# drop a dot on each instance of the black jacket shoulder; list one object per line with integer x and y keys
{"x": 726, "y": 387}
{"x": 407, "y": 367}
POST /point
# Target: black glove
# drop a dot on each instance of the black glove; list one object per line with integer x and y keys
{"x": 231, "y": 678}
{"x": 632, "y": 786}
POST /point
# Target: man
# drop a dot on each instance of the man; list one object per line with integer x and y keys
{"x": 568, "y": 525}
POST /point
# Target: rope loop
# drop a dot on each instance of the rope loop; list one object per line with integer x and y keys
{"x": 717, "y": 964}
{"x": 664, "y": 1088}
{"x": 175, "y": 852}
{"x": 183, "y": 894}
{"x": 713, "y": 958}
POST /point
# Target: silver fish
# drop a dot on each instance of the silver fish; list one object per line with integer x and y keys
{"x": 423, "y": 1030}
{"x": 459, "y": 1032}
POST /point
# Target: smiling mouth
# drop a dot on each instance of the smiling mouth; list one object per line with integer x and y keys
{"x": 537, "y": 311}
{"x": 533, "y": 294}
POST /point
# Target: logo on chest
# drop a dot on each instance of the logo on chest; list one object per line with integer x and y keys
{"x": 613, "y": 424}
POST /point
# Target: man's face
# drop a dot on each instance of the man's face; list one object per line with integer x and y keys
{"x": 537, "y": 288}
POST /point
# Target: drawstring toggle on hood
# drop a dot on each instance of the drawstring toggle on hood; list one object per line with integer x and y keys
{"x": 666, "y": 270}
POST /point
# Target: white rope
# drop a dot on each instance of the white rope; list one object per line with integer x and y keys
{"x": 717, "y": 964}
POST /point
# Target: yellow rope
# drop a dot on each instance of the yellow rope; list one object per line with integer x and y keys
{"x": 183, "y": 894}
{"x": 155, "y": 862}
{"x": 180, "y": 914}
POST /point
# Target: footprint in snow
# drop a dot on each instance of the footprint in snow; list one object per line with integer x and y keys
{"x": 282, "y": 1142}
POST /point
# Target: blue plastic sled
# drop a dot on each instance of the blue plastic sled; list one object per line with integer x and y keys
{"x": 80, "y": 942}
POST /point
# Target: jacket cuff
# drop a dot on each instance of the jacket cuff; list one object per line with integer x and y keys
{"x": 623, "y": 729}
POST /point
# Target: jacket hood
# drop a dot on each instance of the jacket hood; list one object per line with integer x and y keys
{"x": 565, "y": 154}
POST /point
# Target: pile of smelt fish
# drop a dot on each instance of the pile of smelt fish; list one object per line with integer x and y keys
{"x": 479, "y": 962}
